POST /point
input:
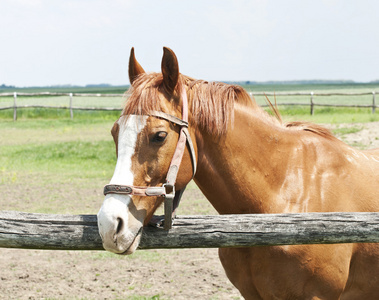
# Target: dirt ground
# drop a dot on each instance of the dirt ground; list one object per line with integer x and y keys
{"x": 160, "y": 274}
{"x": 149, "y": 274}
{"x": 367, "y": 136}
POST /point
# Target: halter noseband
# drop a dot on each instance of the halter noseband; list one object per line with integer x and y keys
{"x": 172, "y": 197}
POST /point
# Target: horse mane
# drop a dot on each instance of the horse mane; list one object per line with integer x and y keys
{"x": 300, "y": 125}
{"x": 211, "y": 103}
{"x": 311, "y": 127}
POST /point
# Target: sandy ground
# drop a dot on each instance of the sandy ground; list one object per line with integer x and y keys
{"x": 149, "y": 274}
{"x": 366, "y": 138}
{"x": 159, "y": 274}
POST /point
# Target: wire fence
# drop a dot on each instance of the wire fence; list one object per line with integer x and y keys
{"x": 113, "y": 102}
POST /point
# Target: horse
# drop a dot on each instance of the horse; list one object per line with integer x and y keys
{"x": 246, "y": 162}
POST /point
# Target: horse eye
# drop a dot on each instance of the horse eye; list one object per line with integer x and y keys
{"x": 159, "y": 137}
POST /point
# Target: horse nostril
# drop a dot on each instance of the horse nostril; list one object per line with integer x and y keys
{"x": 120, "y": 225}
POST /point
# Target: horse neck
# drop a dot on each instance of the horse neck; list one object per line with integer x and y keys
{"x": 239, "y": 171}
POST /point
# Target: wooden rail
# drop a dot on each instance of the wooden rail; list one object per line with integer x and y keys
{"x": 312, "y": 104}
{"x": 80, "y": 232}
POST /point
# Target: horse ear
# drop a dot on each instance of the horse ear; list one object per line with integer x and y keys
{"x": 135, "y": 68}
{"x": 170, "y": 69}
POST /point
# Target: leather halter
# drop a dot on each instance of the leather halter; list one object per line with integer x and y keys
{"x": 167, "y": 190}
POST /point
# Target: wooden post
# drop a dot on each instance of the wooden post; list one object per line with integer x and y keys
{"x": 373, "y": 102}
{"x": 15, "y": 106}
{"x": 71, "y": 112}
{"x": 312, "y": 104}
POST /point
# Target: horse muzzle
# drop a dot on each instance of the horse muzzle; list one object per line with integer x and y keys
{"x": 119, "y": 230}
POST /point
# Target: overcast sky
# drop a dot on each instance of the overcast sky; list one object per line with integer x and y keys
{"x": 49, "y": 42}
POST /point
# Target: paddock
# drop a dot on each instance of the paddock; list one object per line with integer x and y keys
{"x": 173, "y": 273}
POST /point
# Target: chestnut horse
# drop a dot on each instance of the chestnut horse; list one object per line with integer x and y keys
{"x": 247, "y": 162}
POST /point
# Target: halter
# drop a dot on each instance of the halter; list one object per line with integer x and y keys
{"x": 167, "y": 190}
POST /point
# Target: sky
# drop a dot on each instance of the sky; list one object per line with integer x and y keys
{"x": 79, "y": 42}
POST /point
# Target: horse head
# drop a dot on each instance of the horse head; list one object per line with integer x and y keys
{"x": 146, "y": 136}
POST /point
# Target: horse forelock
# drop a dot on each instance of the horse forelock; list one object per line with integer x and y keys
{"x": 142, "y": 96}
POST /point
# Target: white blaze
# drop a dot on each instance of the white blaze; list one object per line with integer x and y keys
{"x": 127, "y": 138}
{"x": 115, "y": 207}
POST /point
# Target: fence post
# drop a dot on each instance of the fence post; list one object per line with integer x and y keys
{"x": 15, "y": 106}
{"x": 71, "y": 112}
{"x": 312, "y": 104}
{"x": 373, "y": 102}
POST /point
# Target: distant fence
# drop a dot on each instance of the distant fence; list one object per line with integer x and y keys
{"x": 80, "y": 232}
{"x": 72, "y": 107}
{"x": 312, "y": 103}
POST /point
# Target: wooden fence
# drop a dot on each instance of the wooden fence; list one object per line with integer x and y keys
{"x": 71, "y": 107}
{"x": 312, "y": 103}
{"x": 80, "y": 232}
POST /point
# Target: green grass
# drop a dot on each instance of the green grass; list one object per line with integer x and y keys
{"x": 56, "y": 113}
{"x": 328, "y": 115}
{"x": 84, "y": 158}
{"x": 343, "y": 131}
{"x": 55, "y": 165}
{"x": 82, "y": 146}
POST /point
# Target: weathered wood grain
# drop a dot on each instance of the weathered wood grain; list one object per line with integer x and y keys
{"x": 80, "y": 232}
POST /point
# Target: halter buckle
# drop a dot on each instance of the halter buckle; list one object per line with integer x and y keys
{"x": 168, "y": 205}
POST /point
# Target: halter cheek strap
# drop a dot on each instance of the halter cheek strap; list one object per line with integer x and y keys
{"x": 172, "y": 197}
{"x": 184, "y": 137}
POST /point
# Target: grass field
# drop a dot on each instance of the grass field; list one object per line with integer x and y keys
{"x": 58, "y": 154}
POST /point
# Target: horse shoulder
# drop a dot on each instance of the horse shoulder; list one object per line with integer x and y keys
{"x": 318, "y": 177}
{"x": 310, "y": 271}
